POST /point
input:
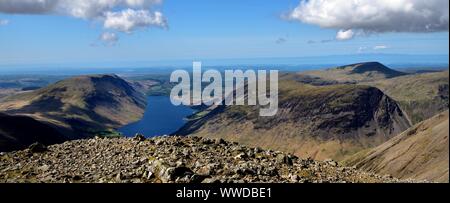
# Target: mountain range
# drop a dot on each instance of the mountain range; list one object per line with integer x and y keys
{"x": 320, "y": 122}
{"x": 364, "y": 115}
{"x": 355, "y": 73}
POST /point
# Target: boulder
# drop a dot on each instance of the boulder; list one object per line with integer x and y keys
{"x": 37, "y": 148}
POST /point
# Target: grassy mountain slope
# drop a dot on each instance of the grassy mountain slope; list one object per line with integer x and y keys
{"x": 421, "y": 152}
{"x": 81, "y": 106}
{"x": 152, "y": 84}
{"x": 421, "y": 96}
{"x": 18, "y": 132}
{"x": 319, "y": 122}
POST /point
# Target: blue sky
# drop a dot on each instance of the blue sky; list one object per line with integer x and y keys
{"x": 197, "y": 30}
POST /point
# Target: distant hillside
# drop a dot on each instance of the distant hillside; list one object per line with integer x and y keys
{"x": 355, "y": 73}
{"x": 421, "y": 96}
{"x": 421, "y": 152}
{"x": 18, "y": 132}
{"x": 320, "y": 122}
{"x": 152, "y": 85}
{"x": 82, "y": 106}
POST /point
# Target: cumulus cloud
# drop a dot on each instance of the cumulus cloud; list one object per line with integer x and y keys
{"x": 374, "y": 16}
{"x": 89, "y": 9}
{"x": 28, "y": 6}
{"x": 120, "y": 15}
{"x": 4, "y": 22}
{"x": 345, "y": 34}
{"x": 77, "y": 8}
{"x": 129, "y": 20}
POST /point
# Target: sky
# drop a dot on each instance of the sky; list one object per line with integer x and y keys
{"x": 43, "y": 32}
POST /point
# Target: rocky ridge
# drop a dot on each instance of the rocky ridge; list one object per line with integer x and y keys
{"x": 169, "y": 160}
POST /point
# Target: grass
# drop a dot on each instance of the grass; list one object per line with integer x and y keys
{"x": 413, "y": 87}
{"x": 421, "y": 96}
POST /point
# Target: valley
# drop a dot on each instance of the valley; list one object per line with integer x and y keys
{"x": 249, "y": 100}
{"x": 78, "y": 107}
{"x": 317, "y": 122}
{"x": 358, "y": 116}
{"x": 161, "y": 117}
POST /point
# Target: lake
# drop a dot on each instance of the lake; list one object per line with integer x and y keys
{"x": 160, "y": 118}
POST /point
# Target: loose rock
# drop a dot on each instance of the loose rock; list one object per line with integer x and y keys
{"x": 139, "y": 137}
{"x": 169, "y": 160}
{"x": 37, "y": 148}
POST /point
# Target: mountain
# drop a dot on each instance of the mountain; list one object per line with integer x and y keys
{"x": 151, "y": 84}
{"x": 18, "y": 132}
{"x": 354, "y": 73}
{"x": 421, "y": 152}
{"x": 321, "y": 122}
{"x": 421, "y": 96}
{"x": 171, "y": 160}
{"x": 82, "y": 106}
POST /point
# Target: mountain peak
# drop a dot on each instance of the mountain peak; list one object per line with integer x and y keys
{"x": 370, "y": 68}
{"x": 353, "y": 73}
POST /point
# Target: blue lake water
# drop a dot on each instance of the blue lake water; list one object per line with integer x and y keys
{"x": 160, "y": 118}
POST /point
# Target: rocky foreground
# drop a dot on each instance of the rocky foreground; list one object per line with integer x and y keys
{"x": 169, "y": 160}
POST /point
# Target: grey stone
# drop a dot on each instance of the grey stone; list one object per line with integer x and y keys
{"x": 37, "y": 148}
{"x": 220, "y": 142}
{"x": 284, "y": 159}
{"x": 139, "y": 137}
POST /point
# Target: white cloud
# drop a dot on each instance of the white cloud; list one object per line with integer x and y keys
{"x": 345, "y": 35}
{"x": 120, "y": 15}
{"x": 4, "y": 22}
{"x": 129, "y": 20}
{"x": 76, "y": 8}
{"x": 375, "y": 16}
{"x": 379, "y": 47}
{"x": 28, "y": 6}
{"x": 91, "y": 9}
{"x": 109, "y": 38}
